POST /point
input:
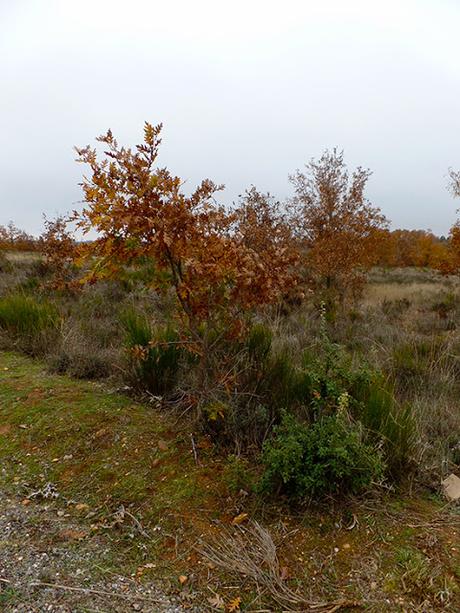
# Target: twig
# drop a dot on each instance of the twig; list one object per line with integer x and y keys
{"x": 195, "y": 455}
{"x": 5, "y": 580}
{"x": 58, "y": 586}
{"x": 138, "y": 524}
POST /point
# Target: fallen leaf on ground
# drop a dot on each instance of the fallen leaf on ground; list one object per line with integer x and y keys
{"x": 217, "y": 601}
{"x": 239, "y": 519}
{"x": 284, "y": 573}
{"x": 234, "y": 605}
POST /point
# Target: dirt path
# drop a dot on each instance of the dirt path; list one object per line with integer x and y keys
{"x": 42, "y": 548}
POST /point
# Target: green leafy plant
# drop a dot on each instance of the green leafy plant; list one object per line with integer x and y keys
{"x": 328, "y": 457}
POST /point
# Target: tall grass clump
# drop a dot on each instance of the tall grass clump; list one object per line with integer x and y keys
{"x": 155, "y": 354}
{"x": 388, "y": 423}
{"x": 253, "y": 383}
{"x": 30, "y": 323}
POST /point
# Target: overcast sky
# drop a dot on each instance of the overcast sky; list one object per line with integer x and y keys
{"x": 247, "y": 91}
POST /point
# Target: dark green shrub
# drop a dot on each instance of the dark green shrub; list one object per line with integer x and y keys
{"x": 154, "y": 354}
{"x": 328, "y": 457}
{"x": 5, "y": 265}
{"x": 275, "y": 378}
{"x": 445, "y": 305}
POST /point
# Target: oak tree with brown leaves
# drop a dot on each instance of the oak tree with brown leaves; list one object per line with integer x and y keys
{"x": 337, "y": 225}
{"x": 451, "y": 264}
{"x": 139, "y": 210}
{"x": 59, "y": 248}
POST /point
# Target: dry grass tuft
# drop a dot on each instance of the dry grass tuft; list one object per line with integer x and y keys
{"x": 250, "y": 551}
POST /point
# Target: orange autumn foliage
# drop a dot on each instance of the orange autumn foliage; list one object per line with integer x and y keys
{"x": 417, "y": 248}
{"x": 139, "y": 210}
{"x": 335, "y": 222}
{"x": 451, "y": 264}
{"x": 58, "y": 248}
{"x": 14, "y": 239}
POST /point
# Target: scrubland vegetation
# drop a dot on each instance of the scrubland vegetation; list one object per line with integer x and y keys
{"x": 304, "y": 353}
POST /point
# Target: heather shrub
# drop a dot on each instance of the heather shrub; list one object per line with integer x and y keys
{"x": 81, "y": 363}
{"x": 5, "y": 266}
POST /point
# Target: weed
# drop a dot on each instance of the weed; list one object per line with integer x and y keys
{"x": 237, "y": 474}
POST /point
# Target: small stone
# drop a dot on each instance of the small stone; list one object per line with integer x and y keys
{"x": 451, "y": 487}
{"x": 162, "y": 445}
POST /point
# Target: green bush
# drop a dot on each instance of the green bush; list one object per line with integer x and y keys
{"x": 154, "y": 354}
{"x": 259, "y": 344}
{"x": 32, "y": 324}
{"x": 328, "y": 457}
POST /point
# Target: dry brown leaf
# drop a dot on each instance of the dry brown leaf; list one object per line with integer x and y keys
{"x": 234, "y": 605}
{"x": 217, "y": 601}
{"x": 81, "y": 506}
{"x": 284, "y": 573}
{"x": 239, "y": 519}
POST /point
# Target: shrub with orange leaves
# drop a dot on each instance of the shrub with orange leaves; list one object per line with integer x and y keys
{"x": 138, "y": 210}
{"x": 336, "y": 223}
{"x": 14, "y": 239}
{"x": 419, "y": 248}
{"x": 262, "y": 228}
{"x": 59, "y": 249}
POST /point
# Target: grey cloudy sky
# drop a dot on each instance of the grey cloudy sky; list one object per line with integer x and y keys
{"x": 247, "y": 90}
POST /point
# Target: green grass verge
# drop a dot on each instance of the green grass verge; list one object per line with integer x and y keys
{"x": 97, "y": 447}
